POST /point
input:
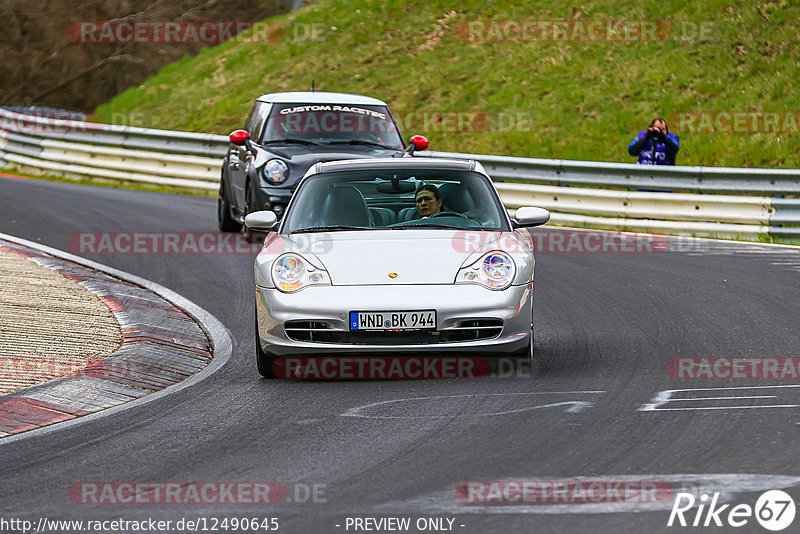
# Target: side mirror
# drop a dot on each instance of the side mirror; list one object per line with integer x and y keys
{"x": 261, "y": 220}
{"x": 239, "y": 137}
{"x": 420, "y": 142}
{"x": 417, "y": 142}
{"x": 530, "y": 216}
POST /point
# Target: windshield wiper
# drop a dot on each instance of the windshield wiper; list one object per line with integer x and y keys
{"x": 362, "y": 142}
{"x": 415, "y": 226}
{"x": 290, "y": 140}
{"x": 334, "y": 228}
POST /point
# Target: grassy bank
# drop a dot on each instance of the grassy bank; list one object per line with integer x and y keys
{"x": 557, "y": 98}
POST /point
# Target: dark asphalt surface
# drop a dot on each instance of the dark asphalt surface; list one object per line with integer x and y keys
{"x": 606, "y": 326}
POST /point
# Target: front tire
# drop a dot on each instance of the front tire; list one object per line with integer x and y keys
{"x": 248, "y": 206}
{"x": 265, "y": 361}
{"x": 225, "y": 222}
{"x": 526, "y": 355}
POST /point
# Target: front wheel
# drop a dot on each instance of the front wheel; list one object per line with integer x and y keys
{"x": 264, "y": 360}
{"x": 225, "y": 222}
{"x": 526, "y": 354}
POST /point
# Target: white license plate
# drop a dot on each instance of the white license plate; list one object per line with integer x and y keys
{"x": 393, "y": 320}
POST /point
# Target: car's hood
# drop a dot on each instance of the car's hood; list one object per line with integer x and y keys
{"x": 292, "y": 151}
{"x": 412, "y": 256}
{"x": 303, "y": 156}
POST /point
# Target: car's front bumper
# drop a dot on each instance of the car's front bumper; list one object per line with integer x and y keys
{"x": 455, "y": 305}
{"x": 266, "y": 197}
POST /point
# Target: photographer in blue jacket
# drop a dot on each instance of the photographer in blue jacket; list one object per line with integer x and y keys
{"x": 655, "y": 146}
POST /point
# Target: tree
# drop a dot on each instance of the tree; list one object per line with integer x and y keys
{"x": 44, "y": 61}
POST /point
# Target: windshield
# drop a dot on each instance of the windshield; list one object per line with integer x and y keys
{"x": 396, "y": 200}
{"x": 333, "y": 123}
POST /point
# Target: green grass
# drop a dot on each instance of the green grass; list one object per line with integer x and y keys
{"x": 557, "y": 99}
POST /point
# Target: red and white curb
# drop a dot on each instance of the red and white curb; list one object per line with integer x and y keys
{"x": 167, "y": 342}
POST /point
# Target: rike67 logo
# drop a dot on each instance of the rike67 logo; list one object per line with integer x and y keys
{"x": 774, "y": 511}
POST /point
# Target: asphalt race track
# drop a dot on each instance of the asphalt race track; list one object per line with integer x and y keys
{"x": 606, "y": 326}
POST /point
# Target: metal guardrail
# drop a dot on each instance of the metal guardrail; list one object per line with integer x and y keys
{"x": 166, "y": 141}
{"x": 701, "y": 201}
{"x": 125, "y": 153}
{"x": 711, "y": 180}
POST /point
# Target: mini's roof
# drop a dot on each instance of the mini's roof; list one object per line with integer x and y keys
{"x": 395, "y": 163}
{"x": 319, "y": 97}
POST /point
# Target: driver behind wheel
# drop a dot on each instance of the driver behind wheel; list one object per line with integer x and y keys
{"x": 428, "y": 200}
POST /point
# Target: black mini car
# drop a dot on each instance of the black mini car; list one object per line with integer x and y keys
{"x": 286, "y": 133}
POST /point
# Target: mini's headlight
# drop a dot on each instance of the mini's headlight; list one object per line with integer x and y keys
{"x": 494, "y": 270}
{"x": 291, "y": 272}
{"x": 276, "y": 171}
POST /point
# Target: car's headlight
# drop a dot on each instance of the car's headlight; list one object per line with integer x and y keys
{"x": 494, "y": 270}
{"x": 291, "y": 272}
{"x": 276, "y": 171}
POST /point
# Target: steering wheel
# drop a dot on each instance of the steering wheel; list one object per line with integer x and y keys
{"x": 448, "y": 214}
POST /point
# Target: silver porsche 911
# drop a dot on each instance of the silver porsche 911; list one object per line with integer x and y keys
{"x": 396, "y": 256}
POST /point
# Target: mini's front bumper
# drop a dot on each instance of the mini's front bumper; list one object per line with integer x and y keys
{"x": 266, "y": 198}
{"x": 454, "y": 304}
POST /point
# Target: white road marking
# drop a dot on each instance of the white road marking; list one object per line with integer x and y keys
{"x": 308, "y": 421}
{"x": 728, "y": 398}
{"x": 667, "y": 396}
{"x": 725, "y": 408}
{"x": 575, "y": 406}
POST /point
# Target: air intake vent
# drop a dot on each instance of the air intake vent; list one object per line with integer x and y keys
{"x": 307, "y": 331}
{"x": 472, "y": 329}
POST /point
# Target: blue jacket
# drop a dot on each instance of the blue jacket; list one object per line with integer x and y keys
{"x": 663, "y": 153}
